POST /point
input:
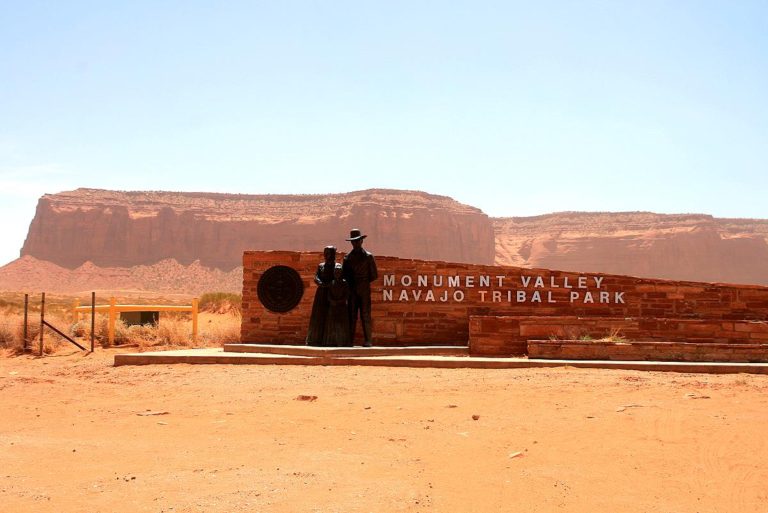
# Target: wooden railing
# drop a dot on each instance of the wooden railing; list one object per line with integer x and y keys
{"x": 113, "y": 309}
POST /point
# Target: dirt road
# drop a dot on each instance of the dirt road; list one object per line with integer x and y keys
{"x": 78, "y": 435}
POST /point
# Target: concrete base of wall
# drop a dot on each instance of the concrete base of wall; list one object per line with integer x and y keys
{"x": 348, "y": 351}
{"x": 219, "y": 356}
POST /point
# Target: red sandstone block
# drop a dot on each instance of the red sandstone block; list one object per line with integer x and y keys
{"x": 690, "y": 290}
{"x": 494, "y": 344}
{"x": 696, "y": 328}
{"x": 568, "y": 351}
{"x": 541, "y": 331}
{"x": 752, "y": 327}
{"x": 647, "y": 311}
{"x": 489, "y": 324}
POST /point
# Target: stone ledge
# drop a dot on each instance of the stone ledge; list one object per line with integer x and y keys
{"x": 217, "y": 356}
{"x": 647, "y": 351}
{"x": 355, "y": 352}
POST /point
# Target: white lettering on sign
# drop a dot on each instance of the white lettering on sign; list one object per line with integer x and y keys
{"x": 532, "y": 289}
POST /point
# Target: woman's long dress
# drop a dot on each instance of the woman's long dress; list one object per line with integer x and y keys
{"x": 337, "y": 321}
{"x": 323, "y": 278}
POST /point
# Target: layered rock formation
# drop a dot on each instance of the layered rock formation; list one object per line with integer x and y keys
{"x": 123, "y": 229}
{"x": 680, "y": 247}
{"x": 120, "y": 230}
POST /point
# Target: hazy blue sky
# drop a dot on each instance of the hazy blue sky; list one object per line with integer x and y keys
{"x": 518, "y": 108}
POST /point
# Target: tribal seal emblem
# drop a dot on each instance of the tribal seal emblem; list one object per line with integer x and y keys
{"x": 280, "y": 289}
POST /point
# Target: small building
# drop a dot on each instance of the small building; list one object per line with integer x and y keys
{"x": 140, "y": 318}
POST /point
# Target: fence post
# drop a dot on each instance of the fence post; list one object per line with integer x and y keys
{"x": 26, "y": 312}
{"x": 195, "y": 302}
{"x": 42, "y": 322}
{"x": 93, "y": 317}
{"x": 112, "y": 320}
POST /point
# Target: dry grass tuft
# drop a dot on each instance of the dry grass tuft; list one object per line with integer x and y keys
{"x": 176, "y": 332}
{"x": 12, "y": 333}
{"x": 221, "y": 302}
{"x": 574, "y": 333}
{"x": 8, "y": 335}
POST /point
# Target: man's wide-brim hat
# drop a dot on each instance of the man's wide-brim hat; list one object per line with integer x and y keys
{"x": 356, "y": 235}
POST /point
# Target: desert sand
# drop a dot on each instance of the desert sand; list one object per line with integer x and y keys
{"x": 80, "y": 435}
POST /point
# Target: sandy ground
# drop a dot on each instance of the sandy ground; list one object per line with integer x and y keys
{"x": 74, "y": 437}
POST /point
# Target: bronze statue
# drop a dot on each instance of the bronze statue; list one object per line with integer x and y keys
{"x": 323, "y": 279}
{"x": 337, "y": 320}
{"x": 359, "y": 270}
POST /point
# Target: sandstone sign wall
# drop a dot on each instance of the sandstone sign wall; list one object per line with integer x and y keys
{"x": 418, "y": 302}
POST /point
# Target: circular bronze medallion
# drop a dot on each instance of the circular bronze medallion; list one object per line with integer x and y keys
{"x": 280, "y": 289}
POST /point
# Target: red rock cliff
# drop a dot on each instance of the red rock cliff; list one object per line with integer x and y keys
{"x": 679, "y": 247}
{"x": 123, "y": 229}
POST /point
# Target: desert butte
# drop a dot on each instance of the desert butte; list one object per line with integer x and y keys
{"x": 78, "y": 434}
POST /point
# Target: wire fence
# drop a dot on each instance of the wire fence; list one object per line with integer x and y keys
{"x": 176, "y": 328}
{"x": 12, "y": 330}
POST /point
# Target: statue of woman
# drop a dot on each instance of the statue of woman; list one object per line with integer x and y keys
{"x": 323, "y": 278}
{"x": 337, "y": 321}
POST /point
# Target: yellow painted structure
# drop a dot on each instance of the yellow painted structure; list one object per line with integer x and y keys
{"x": 113, "y": 309}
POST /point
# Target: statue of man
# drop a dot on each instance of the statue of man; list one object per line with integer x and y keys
{"x": 359, "y": 269}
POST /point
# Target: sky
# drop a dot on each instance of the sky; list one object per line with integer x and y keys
{"x": 518, "y": 108}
